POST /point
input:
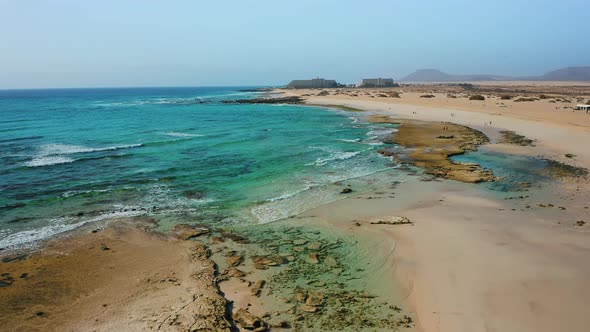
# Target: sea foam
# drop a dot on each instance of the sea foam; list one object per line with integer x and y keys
{"x": 55, "y": 154}
{"x": 179, "y": 134}
{"x": 335, "y": 155}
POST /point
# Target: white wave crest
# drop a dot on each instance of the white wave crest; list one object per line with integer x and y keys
{"x": 179, "y": 134}
{"x": 336, "y": 155}
{"x": 48, "y": 160}
{"x": 61, "y": 149}
{"x": 380, "y": 132}
{"x": 28, "y": 238}
{"x": 55, "y": 154}
{"x": 289, "y": 194}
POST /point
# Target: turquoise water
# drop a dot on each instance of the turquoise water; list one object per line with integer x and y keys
{"x": 514, "y": 172}
{"x": 177, "y": 154}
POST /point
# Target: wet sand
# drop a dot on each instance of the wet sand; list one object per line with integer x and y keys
{"x": 472, "y": 261}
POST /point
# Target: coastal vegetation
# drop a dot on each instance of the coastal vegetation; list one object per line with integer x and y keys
{"x": 524, "y": 99}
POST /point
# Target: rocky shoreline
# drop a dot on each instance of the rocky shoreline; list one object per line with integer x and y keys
{"x": 194, "y": 278}
{"x": 430, "y": 145}
{"x": 279, "y": 100}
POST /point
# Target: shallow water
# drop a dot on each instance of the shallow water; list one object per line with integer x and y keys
{"x": 514, "y": 172}
{"x": 177, "y": 154}
{"x": 346, "y": 276}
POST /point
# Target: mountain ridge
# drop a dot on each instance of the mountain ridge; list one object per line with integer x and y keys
{"x": 580, "y": 73}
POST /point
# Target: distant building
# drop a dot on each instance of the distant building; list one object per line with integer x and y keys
{"x": 583, "y": 107}
{"x": 376, "y": 82}
{"x": 312, "y": 84}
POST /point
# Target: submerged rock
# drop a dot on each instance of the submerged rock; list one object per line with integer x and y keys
{"x": 313, "y": 258}
{"x": 315, "y": 299}
{"x": 330, "y": 261}
{"x": 234, "y": 260}
{"x": 299, "y": 242}
{"x": 308, "y": 308}
{"x": 233, "y": 273}
{"x": 187, "y": 232}
{"x": 235, "y": 237}
{"x": 300, "y": 295}
{"x": 194, "y": 195}
{"x": 315, "y": 245}
{"x": 257, "y": 288}
{"x": 216, "y": 240}
{"x": 299, "y": 248}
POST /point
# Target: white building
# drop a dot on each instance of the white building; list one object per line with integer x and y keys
{"x": 316, "y": 83}
{"x": 583, "y": 107}
{"x": 376, "y": 82}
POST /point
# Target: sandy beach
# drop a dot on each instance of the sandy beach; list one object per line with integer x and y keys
{"x": 472, "y": 262}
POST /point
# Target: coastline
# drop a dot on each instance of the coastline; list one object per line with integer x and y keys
{"x": 473, "y": 262}
{"x": 467, "y": 262}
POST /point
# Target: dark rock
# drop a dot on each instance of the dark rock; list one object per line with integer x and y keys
{"x": 194, "y": 194}
{"x": 280, "y": 100}
{"x": 249, "y": 322}
{"x": 5, "y": 283}
{"x": 346, "y": 191}
{"x": 391, "y": 221}
{"x": 14, "y": 258}
{"x": 257, "y": 288}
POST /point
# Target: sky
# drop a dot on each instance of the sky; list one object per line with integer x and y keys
{"x": 116, "y": 43}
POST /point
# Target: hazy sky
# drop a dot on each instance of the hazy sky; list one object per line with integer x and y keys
{"x": 84, "y": 43}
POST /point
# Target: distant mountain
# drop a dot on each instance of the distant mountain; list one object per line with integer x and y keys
{"x": 568, "y": 74}
{"x": 434, "y": 75}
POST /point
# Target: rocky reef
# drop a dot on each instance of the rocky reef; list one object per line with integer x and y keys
{"x": 279, "y": 100}
{"x": 430, "y": 145}
{"x": 307, "y": 280}
{"x": 510, "y": 137}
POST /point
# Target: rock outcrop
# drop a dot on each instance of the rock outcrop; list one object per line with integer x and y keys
{"x": 430, "y": 145}
{"x": 279, "y": 100}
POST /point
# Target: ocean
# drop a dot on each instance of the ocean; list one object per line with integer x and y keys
{"x": 74, "y": 156}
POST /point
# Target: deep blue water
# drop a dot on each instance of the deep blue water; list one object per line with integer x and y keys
{"x": 176, "y": 154}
